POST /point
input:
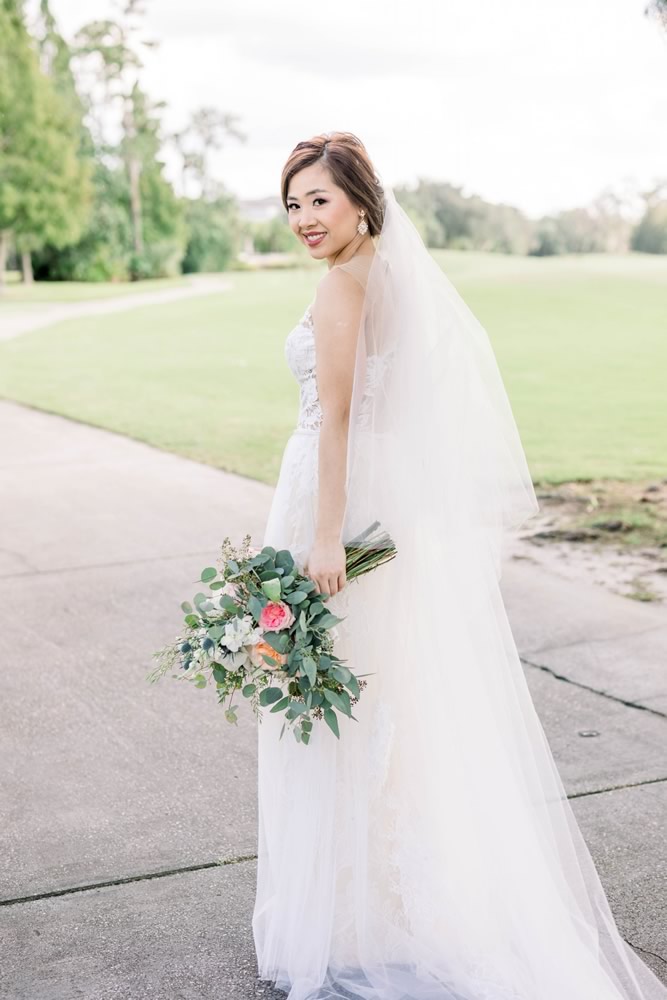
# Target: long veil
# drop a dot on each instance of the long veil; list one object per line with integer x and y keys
{"x": 492, "y": 891}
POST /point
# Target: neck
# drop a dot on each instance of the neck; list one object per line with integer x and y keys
{"x": 357, "y": 247}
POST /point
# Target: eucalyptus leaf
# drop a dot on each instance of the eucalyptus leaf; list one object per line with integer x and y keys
{"x": 297, "y": 597}
{"x": 208, "y": 574}
{"x": 284, "y": 560}
{"x": 353, "y": 685}
{"x": 255, "y": 607}
{"x": 280, "y": 705}
{"x": 310, "y": 669}
{"x": 270, "y": 695}
{"x": 278, "y": 640}
{"x": 272, "y": 589}
{"x": 331, "y": 721}
{"x": 335, "y": 699}
{"x": 326, "y": 621}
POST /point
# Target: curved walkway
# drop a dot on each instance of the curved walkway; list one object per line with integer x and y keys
{"x": 15, "y": 320}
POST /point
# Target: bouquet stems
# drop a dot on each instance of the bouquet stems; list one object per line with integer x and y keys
{"x": 368, "y": 550}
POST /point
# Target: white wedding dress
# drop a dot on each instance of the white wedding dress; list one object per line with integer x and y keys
{"x": 396, "y": 866}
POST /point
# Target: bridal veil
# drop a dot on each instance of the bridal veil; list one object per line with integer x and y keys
{"x": 496, "y": 882}
{"x": 431, "y": 852}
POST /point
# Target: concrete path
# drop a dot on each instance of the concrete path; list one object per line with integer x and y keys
{"x": 128, "y": 826}
{"x": 17, "y": 318}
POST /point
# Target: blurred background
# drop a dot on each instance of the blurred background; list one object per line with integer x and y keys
{"x": 142, "y": 143}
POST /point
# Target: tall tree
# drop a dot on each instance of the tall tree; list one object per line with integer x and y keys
{"x": 44, "y": 187}
{"x": 206, "y": 132}
{"x": 110, "y": 51}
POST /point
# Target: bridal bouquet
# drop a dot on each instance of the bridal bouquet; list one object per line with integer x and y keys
{"x": 265, "y": 630}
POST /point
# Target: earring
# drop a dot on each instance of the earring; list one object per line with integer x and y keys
{"x": 362, "y": 228}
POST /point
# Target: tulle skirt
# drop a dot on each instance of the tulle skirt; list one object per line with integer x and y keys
{"x": 430, "y": 852}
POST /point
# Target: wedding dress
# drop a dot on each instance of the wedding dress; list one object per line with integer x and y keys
{"x": 431, "y": 852}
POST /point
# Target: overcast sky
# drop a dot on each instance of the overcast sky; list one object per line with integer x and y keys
{"x": 540, "y": 105}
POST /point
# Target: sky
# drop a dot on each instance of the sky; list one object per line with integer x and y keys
{"x": 536, "y": 104}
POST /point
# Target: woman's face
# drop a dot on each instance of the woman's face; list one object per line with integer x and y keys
{"x": 315, "y": 205}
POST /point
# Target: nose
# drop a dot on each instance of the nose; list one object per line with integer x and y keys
{"x": 307, "y": 220}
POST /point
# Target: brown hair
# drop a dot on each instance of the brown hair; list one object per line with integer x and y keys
{"x": 345, "y": 156}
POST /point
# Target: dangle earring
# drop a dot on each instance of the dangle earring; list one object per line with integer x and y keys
{"x": 362, "y": 228}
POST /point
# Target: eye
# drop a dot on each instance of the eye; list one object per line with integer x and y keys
{"x": 292, "y": 204}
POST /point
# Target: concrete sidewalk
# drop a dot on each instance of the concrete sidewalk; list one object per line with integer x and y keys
{"x": 17, "y": 318}
{"x": 121, "y": 798}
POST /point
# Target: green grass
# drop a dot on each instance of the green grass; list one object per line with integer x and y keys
{"x": 77, "y": 291}
{"x": 580, "y": 341}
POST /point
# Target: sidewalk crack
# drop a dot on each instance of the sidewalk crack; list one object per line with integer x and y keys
{"x": 145, "y": 877}
{"x": 587, "y": 687}
{"x": 645, "y": 951}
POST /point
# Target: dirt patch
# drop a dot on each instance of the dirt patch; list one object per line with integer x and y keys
{"x": 611, "y": 532}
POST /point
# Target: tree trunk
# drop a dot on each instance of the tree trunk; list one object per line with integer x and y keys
{"x": 134, "y": 168}
{"x": 26, "y": 267}
{"x": 4, "y": 251}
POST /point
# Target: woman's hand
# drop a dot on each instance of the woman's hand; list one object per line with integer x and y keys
{"x": 326, "y": 565}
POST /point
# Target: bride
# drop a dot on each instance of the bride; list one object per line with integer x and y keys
{"x": 431, "y": 851}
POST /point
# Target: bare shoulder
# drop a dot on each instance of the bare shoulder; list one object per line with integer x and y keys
{"x": 338, "y": 298}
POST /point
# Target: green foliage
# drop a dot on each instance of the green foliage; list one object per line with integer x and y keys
{"x": 650, "y": 236}
{"x": 103, "y": 251}
{"x": 213, "y": 233}
{"x": 225, "y": 639}
{"x": 272, "y": 236}
{"x": 45, "y": 186}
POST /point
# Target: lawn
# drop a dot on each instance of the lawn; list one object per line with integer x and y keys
{"x": 78, "y": 291}
{"x": 581, "y": 343}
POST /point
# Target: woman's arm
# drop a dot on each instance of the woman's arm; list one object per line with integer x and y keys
{"x": 336, "y": 318}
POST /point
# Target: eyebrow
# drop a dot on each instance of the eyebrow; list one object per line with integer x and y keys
{"x": 290, "y": 197}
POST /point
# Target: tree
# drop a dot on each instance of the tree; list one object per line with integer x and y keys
{"x": 108, "y": 58}
{"x": 204, "y": 134}
{"x": 650, "y": 235}
{"x": 44, "y": 187}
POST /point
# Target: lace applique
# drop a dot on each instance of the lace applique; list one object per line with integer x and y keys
{"x": 300, "y": 355}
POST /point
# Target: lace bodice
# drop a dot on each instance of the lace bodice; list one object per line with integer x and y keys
{"x": 300, "y": 352}
{"x": 300, "y": 356}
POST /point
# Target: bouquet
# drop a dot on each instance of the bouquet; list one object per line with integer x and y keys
{"x": 265, "y": 631}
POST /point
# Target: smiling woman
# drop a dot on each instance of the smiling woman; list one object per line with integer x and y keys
{"x": 430, "y": 851}
{"x": 326, "y": 199}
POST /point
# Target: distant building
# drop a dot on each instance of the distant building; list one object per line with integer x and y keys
{"x": 260, "y": 209}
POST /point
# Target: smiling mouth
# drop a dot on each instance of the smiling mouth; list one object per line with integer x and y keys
{"x": 313, "y": 238}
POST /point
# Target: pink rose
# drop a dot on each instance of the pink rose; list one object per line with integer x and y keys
{"x": 275, "y": 616}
